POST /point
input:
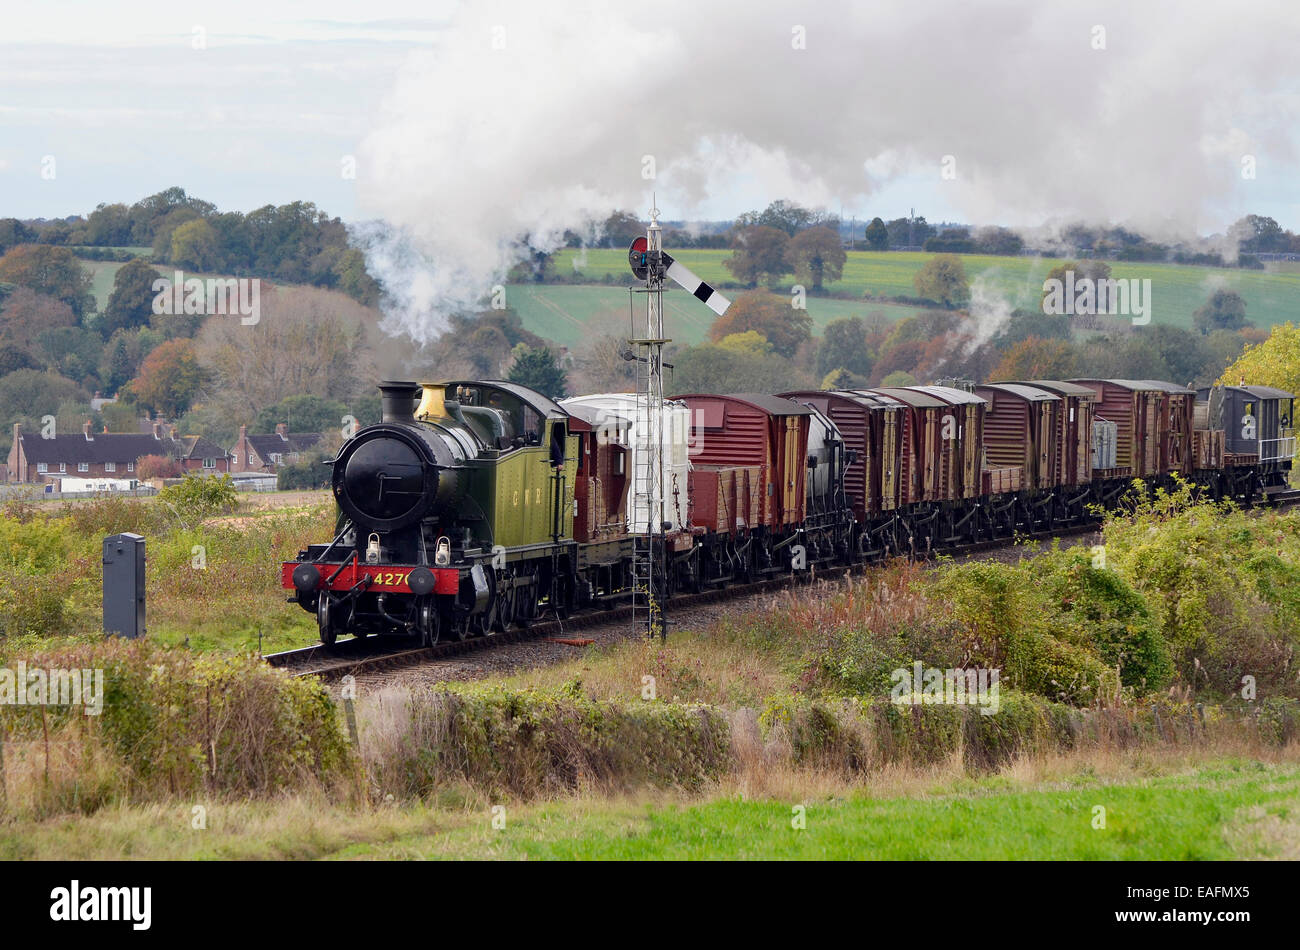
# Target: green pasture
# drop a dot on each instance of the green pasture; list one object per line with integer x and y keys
{"x": 573, "y": 315}
{"x": 1232, "y": 810}
{"x": 1272, "y": 296}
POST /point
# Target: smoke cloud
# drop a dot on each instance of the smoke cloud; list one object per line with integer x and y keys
{"x": 528, "y": 119}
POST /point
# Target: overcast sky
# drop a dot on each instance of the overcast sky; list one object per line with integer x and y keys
{"x": 281, "y": 93}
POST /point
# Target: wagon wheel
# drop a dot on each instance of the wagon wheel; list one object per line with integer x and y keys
{"x": 328, "y": 631}
{"x": 694, "y": 568}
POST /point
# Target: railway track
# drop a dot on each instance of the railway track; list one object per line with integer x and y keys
{"x": 376, "y": 655}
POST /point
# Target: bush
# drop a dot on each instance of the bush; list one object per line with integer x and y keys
{"x": 1097, "y": 608}
{"x": 197, "y": 497}
{"x": 305, "y": 475}
{"x": 174, "y": 724}
{"x": 529, "y": 742}
{"x": 152, "y": 467}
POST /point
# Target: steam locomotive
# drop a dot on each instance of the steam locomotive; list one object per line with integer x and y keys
{"x": 477, "y": 504}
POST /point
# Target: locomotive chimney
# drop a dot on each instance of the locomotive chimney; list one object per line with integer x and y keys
{"x": 399, "y": 400}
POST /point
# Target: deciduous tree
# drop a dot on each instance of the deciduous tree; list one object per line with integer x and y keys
{"x": 170, "y": 378}
{"x": 1035, "y": 358}
{"x": 1275, "y": 362}
{"x": 877, "y": 235}
{"x": 53, "y": 271}
{"x": 816, "y": 256}
{"x": 1225, "y": 310}
{"x": 758, "y": 252}
{"x": 784, "y": 326}
{"x": 130, "y": 304}
{"x": 943, "y": 279}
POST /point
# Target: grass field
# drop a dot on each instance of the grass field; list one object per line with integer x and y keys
{"x": 1155, "y": 810}
{"x": 1272, "y": 296}
{"x": 573, "y": 314}
{"x": 102, "y": 274}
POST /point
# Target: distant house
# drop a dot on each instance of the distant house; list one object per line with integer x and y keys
{"x": 35, "y": 460}
{"x": 264, "y": 453}
{"x": 197, "y": 454}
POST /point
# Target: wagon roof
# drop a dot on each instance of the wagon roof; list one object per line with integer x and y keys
{"x": 863, "y": 399}
{"x": 913, "y": 397}
{"x": 597, "y": 415}
{"x": 773, "y": 405}
{"x": 1168, "y": 387}
{"x": 950, "y": 395}
{"x": 1060, "y": 387}
{"x": 1259, "y": 392}
{"x": 1030, "y": 393}
{"x": 1140, "y": 385}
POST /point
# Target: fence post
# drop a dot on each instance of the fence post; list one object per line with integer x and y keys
{"x": 1160, "y": 726}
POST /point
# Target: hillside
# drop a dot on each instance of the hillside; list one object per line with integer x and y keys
{"x": 1272, "y": 296}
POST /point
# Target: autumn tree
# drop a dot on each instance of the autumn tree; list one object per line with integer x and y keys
{"x": 758, "y": 252}
{"x": 751, "y": 342}
{"x": 52, "y": 271}
{"x": 772, "y": 315}
{"x": 307, "y": 341}
{"x": 27, "y": 313}
{"x": 943, "y": 279}
{"x": 1035, "y": 358}
{"x": 1275, "y": 362}
{"x": 603, "y": 366}
{"x": 194, "y": 245}
{"x": 151, "y": 467}
{"x": 170, "y": 378}
{"x": 904, "y": 356}
{"x": 816, "y": 256}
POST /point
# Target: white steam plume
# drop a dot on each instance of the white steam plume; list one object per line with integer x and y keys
{"x": 529, "y": 118}
{"x": 990, "y": 311}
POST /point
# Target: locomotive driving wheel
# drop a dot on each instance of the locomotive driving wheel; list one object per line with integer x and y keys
{"x": 504, "y": 615}
{"x": 428, "y": 623}
{"x": 328, "y": 630}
